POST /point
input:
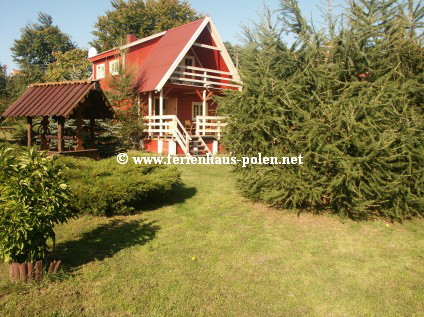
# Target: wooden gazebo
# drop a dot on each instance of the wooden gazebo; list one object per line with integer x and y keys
{"x": 59, "y": 101}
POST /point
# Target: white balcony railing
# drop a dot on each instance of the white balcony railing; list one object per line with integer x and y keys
{"x": 204, "y": 77}
{"x": 211, "y": 125}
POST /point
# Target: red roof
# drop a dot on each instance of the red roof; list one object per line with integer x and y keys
{"x": 60, "y": 99}
{"x": 160, "y": 52}
{"x": 164, "y": 54}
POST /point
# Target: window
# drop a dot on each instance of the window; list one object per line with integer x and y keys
{"x": 114, "y": 67}
{"x": 189, "y": 61}
{"x": 100, "y": 71}
{"x": 198, "y": 110}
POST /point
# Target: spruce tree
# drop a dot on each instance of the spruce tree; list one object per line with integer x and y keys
{"x": 349, "y": 99}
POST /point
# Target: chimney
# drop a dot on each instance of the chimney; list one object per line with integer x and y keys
{"x": 130, "y": 38}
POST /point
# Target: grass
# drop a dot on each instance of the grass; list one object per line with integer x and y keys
{"x": 213, "y": 253}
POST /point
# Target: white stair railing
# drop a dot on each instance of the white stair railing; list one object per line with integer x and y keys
{"x": 169, "y": 125}
{"x": 202, "y": 142}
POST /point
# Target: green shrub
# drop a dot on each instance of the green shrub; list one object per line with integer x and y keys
{"x": 107, "y": 188}
{"x": 33, "y": 198}
{"x": 349, "y": 99}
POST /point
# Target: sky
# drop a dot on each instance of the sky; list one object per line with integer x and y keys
{"x": 77, "y": 17}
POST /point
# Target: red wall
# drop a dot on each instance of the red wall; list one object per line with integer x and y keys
{"x": 134, "y": 57}
{"x": 151, "y": 146}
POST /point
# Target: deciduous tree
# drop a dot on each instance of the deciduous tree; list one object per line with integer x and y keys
{"x": 71, "y": 65}
{"x": 140, "y": 17}
{"x": 38, "y": 41}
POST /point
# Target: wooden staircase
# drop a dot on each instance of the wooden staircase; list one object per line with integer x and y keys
{"x": 198, "y": 147}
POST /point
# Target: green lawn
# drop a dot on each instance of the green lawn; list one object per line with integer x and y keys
{"x": 213, "y": 253}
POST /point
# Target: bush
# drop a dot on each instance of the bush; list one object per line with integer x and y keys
{"x": 349, "y": 99}
{"x": 107, "y": 188}
{"x": 33, "y": 198}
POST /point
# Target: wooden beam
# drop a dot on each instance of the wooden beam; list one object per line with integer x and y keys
{"x": 201, "y": 69}
{"x": 199, "y": 94}
{"x": 29, "y": 131}
{"x": 161, "y": 109}
{"x": 205, "y": 82}
{"x": 150, "y": 104}
{"x": 204, "y": 111}
{"x": 189, "y": 93}
{"x": 204, "y": 104}
{"x": 196, "y": 57}
{"x": 60, "y": 128}
{"x": 92, "y": 131}
{"x": 209, "y": 95}
{"x": 187, "y": 85}
{"x": 202, "y": 75}
{"x": 207, "y": 46}
{"x": 44, "y": 126}
{"x": 79, "y": 122}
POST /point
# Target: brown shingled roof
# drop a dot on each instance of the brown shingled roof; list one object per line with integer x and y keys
{"x": 60, "y": 99}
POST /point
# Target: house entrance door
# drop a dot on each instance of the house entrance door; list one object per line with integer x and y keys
{"x": 171, "y": 107}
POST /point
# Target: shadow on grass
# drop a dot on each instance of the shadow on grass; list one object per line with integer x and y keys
{"x": 178, "y": 195}
{"x": 105, "y": 241}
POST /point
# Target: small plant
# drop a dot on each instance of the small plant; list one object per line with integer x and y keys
{"x": 33, "y": 199}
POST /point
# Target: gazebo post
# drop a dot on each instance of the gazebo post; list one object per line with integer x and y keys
{"x": 79, "y": 146}
{"x": 60, "y": 128}
{"x": 45, "y": 126}
{"x": 29, "y": 131}
{"x": 92, "y": 131}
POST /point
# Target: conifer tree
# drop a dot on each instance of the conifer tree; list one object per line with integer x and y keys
{"x": 350, "y": 100}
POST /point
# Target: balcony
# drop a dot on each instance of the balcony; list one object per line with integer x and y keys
{"x": 204, "y": 77}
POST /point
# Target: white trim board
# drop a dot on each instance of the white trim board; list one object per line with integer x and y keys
{"x": 220, "y": 44}
{"x": 139, "y": 41}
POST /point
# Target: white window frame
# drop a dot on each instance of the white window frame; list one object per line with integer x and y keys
{"x": 100, "y": 74}
{"x": 192, "y": 58}
{"x": 114, "y": 67}
{"x": 200, "y": 107}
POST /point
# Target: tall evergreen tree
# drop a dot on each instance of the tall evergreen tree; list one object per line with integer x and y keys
{"x": 350, "y": 101}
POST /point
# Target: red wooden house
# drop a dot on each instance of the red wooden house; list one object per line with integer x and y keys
{"x": 178, "y": 72}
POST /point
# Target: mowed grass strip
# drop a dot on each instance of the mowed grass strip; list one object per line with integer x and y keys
{"x": 213, "y": 253}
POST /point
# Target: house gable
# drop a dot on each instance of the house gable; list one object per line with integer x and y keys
{"x": 157, "y": 57}
{"x": 204, "y": 38}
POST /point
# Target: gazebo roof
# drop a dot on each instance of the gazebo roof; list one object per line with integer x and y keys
{"x": 61, "y": 99}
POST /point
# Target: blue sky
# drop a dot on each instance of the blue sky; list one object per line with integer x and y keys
{"x": 77, "y": 17}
